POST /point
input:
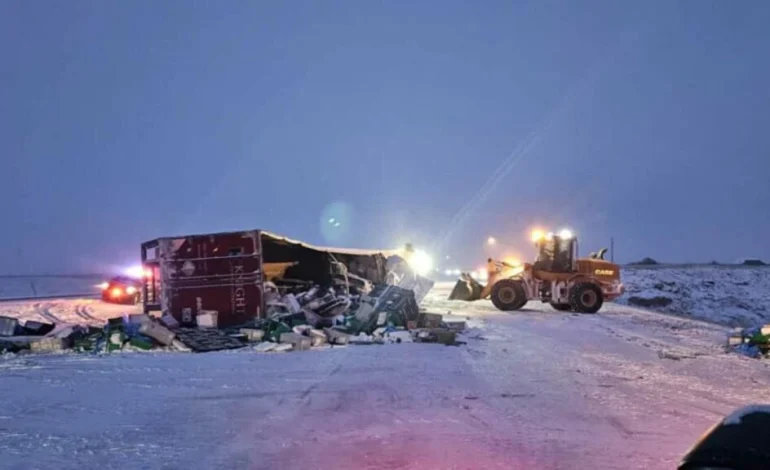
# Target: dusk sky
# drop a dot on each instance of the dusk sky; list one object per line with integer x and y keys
{"x": 436, "y": 122}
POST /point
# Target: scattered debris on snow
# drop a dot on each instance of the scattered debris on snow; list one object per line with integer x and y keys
{"x": 751, "y": 342}
{"x": 312, "y": 317}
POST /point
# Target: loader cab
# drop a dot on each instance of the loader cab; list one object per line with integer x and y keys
{"x": 556, "y": 254}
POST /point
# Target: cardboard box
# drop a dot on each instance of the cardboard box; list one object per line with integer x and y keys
{"x": 298, "y": 342}
{"x": 336, "y": 337}
{"x": 169, "y": 321}
{"x": 159, "y": 333}
{"x": 207, "y": 319}
{"x": 50, "y": 345}
{"x": 252, "y": 334}
{"x": 8, "y": 326}
{"x": 37, "y": 328}
{"x": 139, "y": 319}
{"x": 444, "y": 336}
{"x": 455, "y": 325}
{"x": 431, "y": 320}
{"x": 317, "y": 338}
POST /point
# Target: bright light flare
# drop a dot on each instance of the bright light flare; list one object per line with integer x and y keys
{"x": 116, "y": 292}
{"x": 134, "y": 271}
{"x": 421, "y": 262}
{"x": 452, "y": 272}
{"x": 130, "y": 290}
{"x": 512, "y": 261}
{"x": 104, "y": 285}
{"x": 480, "y": 274}
{"x": 491, "y": 241}
{"x": 537, "y": 235}
{"x": 565, "y": 234}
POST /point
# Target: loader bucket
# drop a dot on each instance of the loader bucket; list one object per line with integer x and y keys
{"x": 466, "y": 288}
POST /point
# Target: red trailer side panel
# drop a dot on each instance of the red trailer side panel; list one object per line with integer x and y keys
{"x": 221, "y": 272}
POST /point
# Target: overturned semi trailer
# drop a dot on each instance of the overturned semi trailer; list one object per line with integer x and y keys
{"x": 227, "y": 272}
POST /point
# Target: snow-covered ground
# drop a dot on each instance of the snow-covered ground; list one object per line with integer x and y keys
{"x": 84, "y": 311}
{"x": 729, "y": 295}
{"x": 625, "y": 389}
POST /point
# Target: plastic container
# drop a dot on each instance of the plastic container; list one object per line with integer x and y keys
{"x": 8, "y": 326}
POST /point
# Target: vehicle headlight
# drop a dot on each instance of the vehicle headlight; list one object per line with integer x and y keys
{"x": 420, "y": 262}
{"x": 130, "y": 290}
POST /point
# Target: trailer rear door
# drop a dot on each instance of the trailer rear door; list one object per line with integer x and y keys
{"x": 221, "y": 272}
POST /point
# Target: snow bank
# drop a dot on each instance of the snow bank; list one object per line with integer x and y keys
{"x": 729, "y": 295}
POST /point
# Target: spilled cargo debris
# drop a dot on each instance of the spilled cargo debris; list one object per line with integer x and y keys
{"x": 298, "y": 341}
{"x": 253, "y": 335}
{"x": 307, "y": 298}
{"x": 36, "y": 328}
{"x": 8, "y": 326}
{"x": 751, "y": 342}
{"x": 157, "y": 332}
{"x": 207, "y": 339}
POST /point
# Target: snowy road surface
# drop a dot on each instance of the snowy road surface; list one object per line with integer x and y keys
{"x": 81, "y": 311}
{"x": 624, "y": 389}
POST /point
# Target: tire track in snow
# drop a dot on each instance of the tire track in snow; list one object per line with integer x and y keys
{"x": 44, "y": 310}
{"x": 82, "y": 312}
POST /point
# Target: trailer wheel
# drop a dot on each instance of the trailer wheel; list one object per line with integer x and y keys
{"x": 586, "y": 298}
{"x": 561, "y": 307}
{"x": 508, "y": 295}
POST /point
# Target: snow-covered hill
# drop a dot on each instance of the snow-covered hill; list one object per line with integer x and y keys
{"x": 729, "y": 295}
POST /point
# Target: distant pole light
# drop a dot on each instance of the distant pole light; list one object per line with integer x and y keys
{"x": 491, "y": 241}
{"x": 612, "y": 249}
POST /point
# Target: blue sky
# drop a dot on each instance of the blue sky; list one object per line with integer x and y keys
{"x": 124, "y": 121}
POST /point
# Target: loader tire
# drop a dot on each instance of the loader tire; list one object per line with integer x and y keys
{"x": 508, "y": 295}
{"x": 586, "y": 298}
{"x": 561, "y": 307}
